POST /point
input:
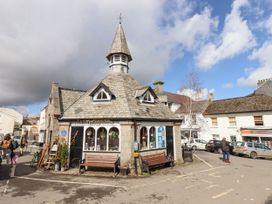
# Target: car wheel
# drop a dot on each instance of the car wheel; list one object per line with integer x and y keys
{"x": 253, "y": 155}
{"x": 220, "y": 151}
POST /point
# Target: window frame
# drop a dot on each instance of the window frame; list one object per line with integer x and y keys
{"x": 102, "y": 91}
{"x": 232, "y": 121}
{"x": 214, "y": 123}
{"x": 148, "y": 98}
{"x": 258, "y": 120}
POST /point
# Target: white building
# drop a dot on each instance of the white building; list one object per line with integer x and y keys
{"x": 10, "y": 120}
{"x": 42, "y": 126}
{"x": 192, "y": 117}
{"x": 244, "y": 118}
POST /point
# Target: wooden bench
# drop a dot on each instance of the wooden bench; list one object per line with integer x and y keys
{"x": 100, "y": 161}
{"x": 155, "y": 160}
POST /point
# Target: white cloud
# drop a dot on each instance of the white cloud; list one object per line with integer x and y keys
{"x": 201, "y": 95}
{"x": 235, "y": 38}
{"x": 228, "y": 85}
{"x": 66, "y": 41}
{"x": 268, "y": 25}
{"x": 263, "y": 55}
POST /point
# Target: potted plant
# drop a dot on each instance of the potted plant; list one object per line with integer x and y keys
{"x": 57, "y": 158}
{"x": 64, "y": 156}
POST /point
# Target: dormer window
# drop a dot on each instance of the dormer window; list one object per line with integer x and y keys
{"x": 148, "y": 98}
{"x": 102, "y": 95}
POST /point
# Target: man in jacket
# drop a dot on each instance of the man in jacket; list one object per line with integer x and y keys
{"x": 226, "y": 150}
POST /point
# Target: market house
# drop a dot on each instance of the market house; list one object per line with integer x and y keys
{"x": 117, "y": 116}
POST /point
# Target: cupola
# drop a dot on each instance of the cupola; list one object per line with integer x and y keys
{"x": 119, "y": 55}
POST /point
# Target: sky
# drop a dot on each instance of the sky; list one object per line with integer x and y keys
{"x": 227, "y": 43}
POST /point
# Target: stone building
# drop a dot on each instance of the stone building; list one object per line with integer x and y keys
{"x": 116, "y": 116}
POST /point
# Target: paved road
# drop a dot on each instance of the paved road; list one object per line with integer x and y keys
{"x": 206, "y": 180}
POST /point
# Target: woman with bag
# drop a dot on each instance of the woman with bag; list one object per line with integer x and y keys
{"x": 7, "y": 146}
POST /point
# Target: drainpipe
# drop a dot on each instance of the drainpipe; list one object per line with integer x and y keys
{"x": 135, "y": 140}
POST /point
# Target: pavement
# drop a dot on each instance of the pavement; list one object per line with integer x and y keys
{"x": 206, "y": 180}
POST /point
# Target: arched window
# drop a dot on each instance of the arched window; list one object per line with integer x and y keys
{"x": 143, "y": 138}
{"x": 90, "y": 139}
{"x": 101, "y": 139}
{"x": 152, "y": 138}
{"x": 114, "y": 139}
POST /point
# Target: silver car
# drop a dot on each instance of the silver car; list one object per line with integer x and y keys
{"x": 253, "y": 150}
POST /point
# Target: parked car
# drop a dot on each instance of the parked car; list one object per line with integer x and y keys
{"x": 216, "y": 146}
{"x": 197, "y": 144}
{"x": 253, "y": 150}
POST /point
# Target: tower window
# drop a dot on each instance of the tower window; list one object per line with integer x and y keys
{"x": 124, "y": 58}
{"x": 117, "y": 58}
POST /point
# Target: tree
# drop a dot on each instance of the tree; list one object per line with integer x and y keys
{"x": 192, "y": 89}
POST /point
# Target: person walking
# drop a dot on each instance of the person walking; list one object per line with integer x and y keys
{"x": 8, "y": 149}
{"x": 23, "y": 143}
{"x": 226, "y": 150}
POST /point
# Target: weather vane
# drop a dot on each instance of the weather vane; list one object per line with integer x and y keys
{"x": 120, "y": 18}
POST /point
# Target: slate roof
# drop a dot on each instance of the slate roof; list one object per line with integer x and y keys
{"x": 119, "y": 44}
{"x": 124, "y": 106}
{"x": 176, "y": 98}
{"x": 197, "y": 107}
{"x": 68, "y": 97}
{"x": 251, "y": 103}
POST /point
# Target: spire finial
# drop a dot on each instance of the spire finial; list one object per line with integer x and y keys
{"x": 120, "y": 18}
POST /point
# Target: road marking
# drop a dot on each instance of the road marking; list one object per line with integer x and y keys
{"x": 208, "y": 164}
{"x": 211, "y": 186}
{"x": 267, "y": 189}
{"x": 71, "y": 182}
{"x": 211, "y": 169}
{"x": 222, "y": 194}
{"x": 213, "y": 175}
{"x": 206, "y": 181}
{"x": 191, "y": 186}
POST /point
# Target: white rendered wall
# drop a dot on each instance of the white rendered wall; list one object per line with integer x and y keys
{"x": 242, "y": 120}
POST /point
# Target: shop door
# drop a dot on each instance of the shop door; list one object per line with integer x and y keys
{"x": 169, "y": 141}
{"x": 76, "y": 143}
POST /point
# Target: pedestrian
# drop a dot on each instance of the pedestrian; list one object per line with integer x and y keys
{"x": 8, "y": 149}
{"x": 226, "y": 150}
{"x": 23, "y": 142}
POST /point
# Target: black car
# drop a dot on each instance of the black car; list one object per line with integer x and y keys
{"x": 216, "y": 146}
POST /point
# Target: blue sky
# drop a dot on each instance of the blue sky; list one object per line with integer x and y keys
{"x": 226, "y": 42}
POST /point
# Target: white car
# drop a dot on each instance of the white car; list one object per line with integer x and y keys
{"x": 197, "y": 144}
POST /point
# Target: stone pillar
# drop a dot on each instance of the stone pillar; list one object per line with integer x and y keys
{"x": 178, "y": 149}
{"x": 127, "y": 140}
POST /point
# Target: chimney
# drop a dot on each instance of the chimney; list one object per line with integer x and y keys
{"x": 158, "y": 86}
{"x": 210, "y": 96}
